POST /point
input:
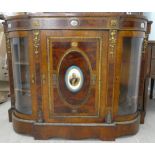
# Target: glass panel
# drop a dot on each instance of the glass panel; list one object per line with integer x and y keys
{"x": 130, "y": 72}
{"x": 21, "y": 75}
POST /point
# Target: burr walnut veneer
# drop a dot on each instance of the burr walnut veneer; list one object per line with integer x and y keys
{"x": 75, "y": 75}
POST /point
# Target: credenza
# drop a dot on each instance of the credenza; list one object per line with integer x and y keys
{"x": 75, "y": 75}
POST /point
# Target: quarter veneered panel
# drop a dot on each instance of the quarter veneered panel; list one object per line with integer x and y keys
{"x": 80, "y": 54}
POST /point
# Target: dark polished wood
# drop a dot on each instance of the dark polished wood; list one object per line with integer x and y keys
{"x": 151, "y": 65}
{"x": 144, "y": 74}
{"x": 95, "y": 43}
{"x": 151, "y": 87}
{"x": 150, "y": 74}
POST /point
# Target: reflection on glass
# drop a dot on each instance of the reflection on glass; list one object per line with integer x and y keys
{"x": 130, "y": 70}
{"x": 21, "y": 75}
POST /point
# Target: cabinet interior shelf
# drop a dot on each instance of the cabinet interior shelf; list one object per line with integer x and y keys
{"x": 23, "y": 90}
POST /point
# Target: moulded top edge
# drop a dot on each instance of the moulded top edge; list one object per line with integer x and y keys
{"x": 73, "y": 14}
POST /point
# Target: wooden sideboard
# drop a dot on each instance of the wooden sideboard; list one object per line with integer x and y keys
{"x": 149, "y": 75}
{"x": 144, "y": 74}
{"x": 151, "y": 67}
{"x": 75, "y": 75}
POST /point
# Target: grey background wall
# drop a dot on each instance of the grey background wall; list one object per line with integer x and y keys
{"x": 2, "y": 55}
{"x": 151, "y": 16}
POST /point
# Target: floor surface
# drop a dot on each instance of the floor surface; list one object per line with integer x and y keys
{"x": 146, "y": 132}
{"x": 4, "y": 91}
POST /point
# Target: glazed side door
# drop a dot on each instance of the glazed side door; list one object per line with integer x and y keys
{"x": 21, "y": 73}
{"x": 128, "y": 70}
{"x": 74, "y": 66}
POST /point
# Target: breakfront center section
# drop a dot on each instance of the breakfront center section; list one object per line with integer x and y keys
{"x": 75, "y": 61}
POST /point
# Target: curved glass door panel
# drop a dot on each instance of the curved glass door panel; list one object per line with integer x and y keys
{"x": 130, "y": 72}
{"x": 21, "y": 75}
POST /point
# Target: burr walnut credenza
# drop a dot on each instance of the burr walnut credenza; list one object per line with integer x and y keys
{"x": 75, "y": 75}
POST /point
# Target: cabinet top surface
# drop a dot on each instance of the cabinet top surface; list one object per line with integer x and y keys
{"x": 151, "y": 42}
{"x": 75, "y": 20}
{"x": 73, "y": 14}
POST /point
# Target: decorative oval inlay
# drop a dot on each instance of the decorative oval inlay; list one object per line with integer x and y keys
{"x": 74, "y": 78}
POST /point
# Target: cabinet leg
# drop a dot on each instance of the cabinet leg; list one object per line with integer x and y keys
{"x": 10, "y": 111}
{"x": 142, "y": 117}
{"x": 151, "y": 88}
{"x": 145, "y": 101}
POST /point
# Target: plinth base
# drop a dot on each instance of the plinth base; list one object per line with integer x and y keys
{"x": 76, "y": 131}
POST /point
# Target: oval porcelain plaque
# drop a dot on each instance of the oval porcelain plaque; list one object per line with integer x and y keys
{"x": 74, "y": 22}
{"x": 74, "y": 78}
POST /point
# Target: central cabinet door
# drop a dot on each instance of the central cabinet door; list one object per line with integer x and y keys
{"x": 74, "y": 75}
